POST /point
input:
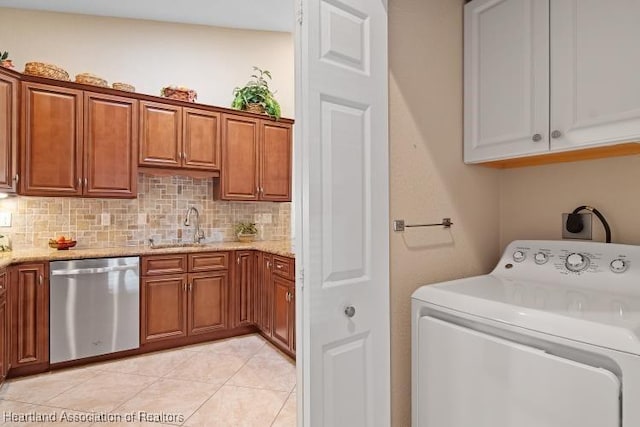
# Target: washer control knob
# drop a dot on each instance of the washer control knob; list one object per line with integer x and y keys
{"x": 519, "y": 256}
{"x": 577, "y": 262}
{"x": 541, "y": 258}
{"x": 619, "y": 265}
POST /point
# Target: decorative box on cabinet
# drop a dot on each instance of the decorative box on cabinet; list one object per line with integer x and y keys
{"x": 550, "y": 81}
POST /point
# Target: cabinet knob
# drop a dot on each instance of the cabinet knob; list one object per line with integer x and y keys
{"x": 556, "y": 134}
{"x": 536, "y": 138}
{"x": 16, "y": 178}
{"x": 268, "y": 265}
{"x": 190, "y": 287}
{"x": 238, "y": 260}
{"x": 350, "y": 311}
{"x": 40, "y": 280}
{"x": 79, "y": 182}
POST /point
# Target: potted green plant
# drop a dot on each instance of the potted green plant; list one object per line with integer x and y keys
{"x": 4, "y": 61}
{"x": 256, "y": 96}
{"x": 246, "y": 231}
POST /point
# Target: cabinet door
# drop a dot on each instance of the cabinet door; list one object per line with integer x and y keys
{"x": 292, "y": 318}
{"x": 281, "y": 331}
{"x": 200, "y": 139}
{"x": 8, "y": 130}
{"x": 208, "y": 302}
{"x": 29, "y": 315}
{"x": 164, "y": 308}
{"x": 275, "y": 161}
{"x": 243, "y": 291}
{"x": 4, "y": 327}
{"x": 506, "y": 79}
{"x": 263, "y": 293}
{"x": 160, "y": 135}
{"x": 595, "y": 96}
{"x": 110, "y": 141}
{"x": 239, "y": 173}
{"x": 51, "y": 148}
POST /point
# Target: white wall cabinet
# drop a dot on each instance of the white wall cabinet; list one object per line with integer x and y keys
{"x": 550, "y": 76}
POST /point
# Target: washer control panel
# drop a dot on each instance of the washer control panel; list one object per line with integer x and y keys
{"x": 540, "y": 259}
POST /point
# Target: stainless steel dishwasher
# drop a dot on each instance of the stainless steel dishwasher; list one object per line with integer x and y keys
{"x": 94, "y": 307}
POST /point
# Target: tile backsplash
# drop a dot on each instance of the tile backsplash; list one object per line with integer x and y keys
{"x": 157, "y": 213}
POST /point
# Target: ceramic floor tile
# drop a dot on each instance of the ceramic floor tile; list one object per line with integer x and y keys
{"x": 177, "y": 398}
{"x": 155, "y": 364}
{"x": 104, "y": 392}
{"x": 271, "y": 352}
{"x": 212, "y": 368}
{"x": 288, "y": 415}
{"x": 239, "y": 407}
{"x": 244, "y": 346}
{"x": 271, "y": 374}
{"x": 40, "y": 388}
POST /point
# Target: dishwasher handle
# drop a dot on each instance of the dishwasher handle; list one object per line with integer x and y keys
{"x": 80, "y": 271}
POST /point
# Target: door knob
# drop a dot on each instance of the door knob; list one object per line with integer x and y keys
{"x": 556, "y": 134}
{"x": 537, "y": 137}
{"x": 350, "y": 311}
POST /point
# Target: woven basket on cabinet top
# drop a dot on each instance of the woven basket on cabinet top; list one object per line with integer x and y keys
{"x": 49, "y": 71}
{"x": 123, "y": 86}
{"x": 91, "y": 79}
{"x": 179, "y": 93}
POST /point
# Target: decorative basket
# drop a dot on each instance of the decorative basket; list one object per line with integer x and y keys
{"x": 179, "y": 93}
{"x": 255, "y": 108}
{"x": 123, "y": 86}
{"x": 62, "y": 246}
{"x": 49, "y": 71}
{"x": 91, "y": 79}
{"x": 246, "y": 237}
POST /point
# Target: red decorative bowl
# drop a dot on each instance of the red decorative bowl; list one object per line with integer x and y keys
{"x": 62, "y": 246}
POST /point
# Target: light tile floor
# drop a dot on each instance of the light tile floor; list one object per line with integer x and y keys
{"x": 242, "y": 381}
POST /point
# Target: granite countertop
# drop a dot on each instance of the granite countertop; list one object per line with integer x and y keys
{"x": 280, "y": 247}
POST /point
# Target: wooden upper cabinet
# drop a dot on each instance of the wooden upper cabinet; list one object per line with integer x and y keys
{"x": 29, "y": 295}
{"x": 200, "y": 139}
{"x": 51, "y": 149}
{"x": 9, "y": 87}
{"x": 239, "y": 175}
{"x": 160, "y": 135}
{"x": 275, "y": 161}
{"x": 110, "y": 134}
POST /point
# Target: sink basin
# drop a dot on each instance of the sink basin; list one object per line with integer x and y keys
{"x": 174, "y": 245}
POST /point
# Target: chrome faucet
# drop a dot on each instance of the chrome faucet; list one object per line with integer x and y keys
{"x": 198, "y": 234}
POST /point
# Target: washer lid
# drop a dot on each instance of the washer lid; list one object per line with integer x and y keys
{"x": 605, "y": 319}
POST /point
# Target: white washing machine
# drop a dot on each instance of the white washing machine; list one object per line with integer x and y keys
{"x": 551, "y": 338}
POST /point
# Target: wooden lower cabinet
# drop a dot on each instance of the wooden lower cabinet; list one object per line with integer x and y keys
{"x": 208, "y": 303}
{"x": 29, "y": 302}
{"x": 264, "y": 289}
{"x": 283, "y": 313}
{"x": 164, "y": 308}
{"x": 175, "y": 306}
{"x": 4, "y": 327}
{"x": 244, "y": 288}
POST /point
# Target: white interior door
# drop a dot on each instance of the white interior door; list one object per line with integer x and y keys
{"x": 343, "y": 231}
{"x": 595, "y": 89}
{"x": 467, "y": 378}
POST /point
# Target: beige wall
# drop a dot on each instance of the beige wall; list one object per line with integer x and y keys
{"x": 151, "y": 54}
{"x": 533, "y": 199}
{"x": 428, "y": 178}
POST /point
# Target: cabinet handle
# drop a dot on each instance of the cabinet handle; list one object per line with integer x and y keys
{"x": 80, "y": 182}
{"x": 238, "y": 260}
{"x": 40, "y": 280}
{"x": 85, "y": 182}
{"x": 16, "y": 178}
{"x": 268, "y": 265}
{"x": 556, "y": 134}
{"x": 279, "y": 266}
{"x": 184, "y": 287}
{"x": 190, "y": 287}
{"x": 184, "y": 155}
{"x": 537, "y": 137}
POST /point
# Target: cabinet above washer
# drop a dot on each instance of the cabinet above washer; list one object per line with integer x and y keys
{"x": 550, "y": 81}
